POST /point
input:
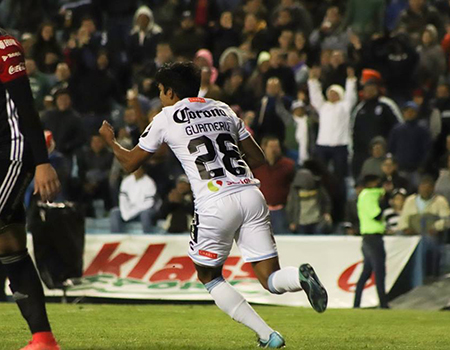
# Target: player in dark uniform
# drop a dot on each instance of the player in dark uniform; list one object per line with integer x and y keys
{"x": 23, "y": 153}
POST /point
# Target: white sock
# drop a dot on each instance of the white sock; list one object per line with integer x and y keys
{"x": 232, "y": 303}
{"x": 284, "y": 280}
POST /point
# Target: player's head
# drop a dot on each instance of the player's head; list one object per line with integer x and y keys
{"x": 177, "y": 81}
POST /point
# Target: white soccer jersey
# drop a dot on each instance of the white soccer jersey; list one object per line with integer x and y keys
{"x": 203, "y": 134}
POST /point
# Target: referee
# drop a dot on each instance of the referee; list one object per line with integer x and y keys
{"x": 372, "y": 229}
{"x": 23, "y": 154}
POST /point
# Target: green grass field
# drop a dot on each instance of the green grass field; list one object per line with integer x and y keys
{"x": 205, "y": 327}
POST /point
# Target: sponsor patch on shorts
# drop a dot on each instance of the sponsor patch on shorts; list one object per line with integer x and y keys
{"x": 207, "y": 254}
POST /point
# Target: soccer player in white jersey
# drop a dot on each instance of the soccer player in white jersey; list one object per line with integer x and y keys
{"x": 217, "y": 152}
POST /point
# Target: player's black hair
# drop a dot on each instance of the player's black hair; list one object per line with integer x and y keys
{"x": 182, "y": 77}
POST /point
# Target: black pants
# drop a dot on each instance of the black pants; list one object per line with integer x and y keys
{"x": 374, "y": 261}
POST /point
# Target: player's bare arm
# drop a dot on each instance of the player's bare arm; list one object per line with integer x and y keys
{"x": 253, "y": 154}
{"x": 130, "y": 160}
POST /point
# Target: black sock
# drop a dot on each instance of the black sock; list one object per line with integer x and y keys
{"x": 27, "y": 290}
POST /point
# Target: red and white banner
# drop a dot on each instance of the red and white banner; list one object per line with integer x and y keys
{"x": 158, "y": 267}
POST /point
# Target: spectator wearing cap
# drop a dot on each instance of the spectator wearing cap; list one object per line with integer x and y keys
{"x": 334, "y": 122}
{"x": 188, "y": 39}
{"x": 374, "y": 116}
{"x": 178, "y": 207}
{"x": 144, "y": 36}
{"x": 373, "y": 164}
{"x": 309, "y": 205}
{"x": 427, "y": 213}
{"x": 432, "y": 63}
{"x": 65, "y": 125}
{"x": 137, "y": 202}
{"x": 410, "y": 144}
{"x": 391, "y": 215}
{"x": 276, "y": 177}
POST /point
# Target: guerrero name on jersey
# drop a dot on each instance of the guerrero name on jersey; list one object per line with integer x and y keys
{"x": 204, "y": 135}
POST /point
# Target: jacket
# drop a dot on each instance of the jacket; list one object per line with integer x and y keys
{"x": 438, "y": 206}
{"x": 369, "y": 211}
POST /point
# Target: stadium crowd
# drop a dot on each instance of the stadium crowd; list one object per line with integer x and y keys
{"x": 333, "y": 91}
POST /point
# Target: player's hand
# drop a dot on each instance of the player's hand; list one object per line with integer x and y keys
{"x": 107, "y": 133}
{"x": 46, "y": 182}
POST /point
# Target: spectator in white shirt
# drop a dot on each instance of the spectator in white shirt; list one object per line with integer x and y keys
{"x": 137, "y": 200}
{"x": 334, "y": 122}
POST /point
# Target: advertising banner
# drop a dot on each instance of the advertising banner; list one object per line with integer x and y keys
{"x": 157, "y": 267}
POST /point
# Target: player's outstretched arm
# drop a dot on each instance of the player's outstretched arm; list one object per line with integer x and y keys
{"x": 253, "y": 154}
{"x": 130, "y": 160}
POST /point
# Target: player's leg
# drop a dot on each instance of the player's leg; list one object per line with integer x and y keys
{"x": 212, "y": 235}
{"x": 23, "y": 277}
{"x": 257, "y": 245}
{"x": 230, "y": 301}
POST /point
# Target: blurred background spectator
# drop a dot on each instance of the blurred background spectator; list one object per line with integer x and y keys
{"x": 178, "y": 207}
{"x": 290, "y": 69}
{"x": 137, "y": 202}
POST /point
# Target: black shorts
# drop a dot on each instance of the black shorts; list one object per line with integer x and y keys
{"x": 15, "y": 176}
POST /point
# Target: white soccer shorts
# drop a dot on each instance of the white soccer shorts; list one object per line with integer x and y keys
{"x": 243, "y": 217}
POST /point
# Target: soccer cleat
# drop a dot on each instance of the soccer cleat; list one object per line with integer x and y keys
{"x": 276, "y": 341}
{"x": 41, "y": 346}
{"x": 317, "y": 295}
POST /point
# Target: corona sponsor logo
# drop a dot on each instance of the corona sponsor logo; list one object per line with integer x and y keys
{"x": 185, "y": 115}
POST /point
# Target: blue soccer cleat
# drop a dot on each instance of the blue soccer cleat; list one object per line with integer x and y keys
{"x": 317, "y": 295}
{"x": 276, "y": 341}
